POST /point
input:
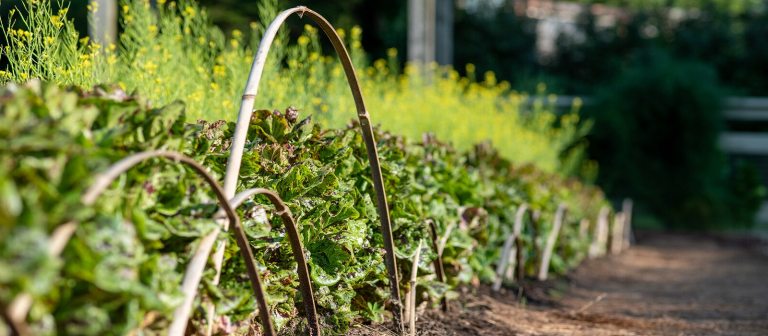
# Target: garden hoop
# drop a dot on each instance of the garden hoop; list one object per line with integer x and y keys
{"x": 61, "y": 236}
{"x": 244, "y": 118}
{"x": 297, "y": 248}
{"x": 106, "y": 178}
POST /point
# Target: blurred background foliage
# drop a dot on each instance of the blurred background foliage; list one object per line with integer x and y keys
{"x": 726, "y": 34}
{"x": 674, "y": 60}
{"x": 656, "y": 137}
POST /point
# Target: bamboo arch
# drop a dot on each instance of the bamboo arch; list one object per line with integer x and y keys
{"x": 296, "y": 247}
{"x": 19, "y": 307}
{"x": 244, "y": 117}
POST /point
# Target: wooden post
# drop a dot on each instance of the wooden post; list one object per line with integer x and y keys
{"x": 421, "y": 32}
{"x": 102, "y": 19}
{"x": 444, "y": 32}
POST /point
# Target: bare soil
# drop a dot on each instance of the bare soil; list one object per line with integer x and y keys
{"x": 668, "y": 284}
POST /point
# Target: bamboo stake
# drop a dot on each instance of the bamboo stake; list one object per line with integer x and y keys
{"x": 509, "y": 255}
{"x": 410, "y": 311}
{"x": 517, "y": 253}
{"x": 583, "y": 228}
{"x": 617, "y": 233}
{"x": 626, "y": 208}
{"x": 600, "y": 241}
{"x": 438, "y": 263}
{"x": 297, "y": 248}
{"x": 501, "y": 267}
{"x": 551, "y": 240}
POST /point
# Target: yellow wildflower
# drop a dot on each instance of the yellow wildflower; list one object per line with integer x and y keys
{"x": 56, "y": 21}
{"x": 150, "y": 67}
{"x": 219, "y": 70}
{"x": 380, "y": 64}
{"x": 190, "y": 12}
{"x": 93, "y": 7}
{"x": 303, "y": 40}
{"x": 490, "y": 78}
{"x": 356, "y": 32}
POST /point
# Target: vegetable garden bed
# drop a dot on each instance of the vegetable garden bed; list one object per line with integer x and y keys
{"x": 157, "y": 225}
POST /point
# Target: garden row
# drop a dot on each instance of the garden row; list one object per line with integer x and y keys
{"x": 120, "y": 271}
{"x": 117, "y": 268}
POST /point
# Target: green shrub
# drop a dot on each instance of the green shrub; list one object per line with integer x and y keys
{"x": 656, "y": 137}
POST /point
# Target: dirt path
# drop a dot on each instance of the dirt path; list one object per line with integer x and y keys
{"x": 666, "y": 285}
{"x": 674, "y": 285}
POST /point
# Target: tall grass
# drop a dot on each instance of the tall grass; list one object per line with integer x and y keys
{"x": 173, "y": 52}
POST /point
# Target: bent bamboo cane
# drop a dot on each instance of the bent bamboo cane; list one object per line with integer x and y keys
{"x": 244, "y": 117}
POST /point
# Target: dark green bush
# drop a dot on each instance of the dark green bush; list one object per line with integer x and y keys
{"x": 656, "y": 138}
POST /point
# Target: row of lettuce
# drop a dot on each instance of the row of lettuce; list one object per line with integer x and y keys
{"x": 121, "y": 271}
